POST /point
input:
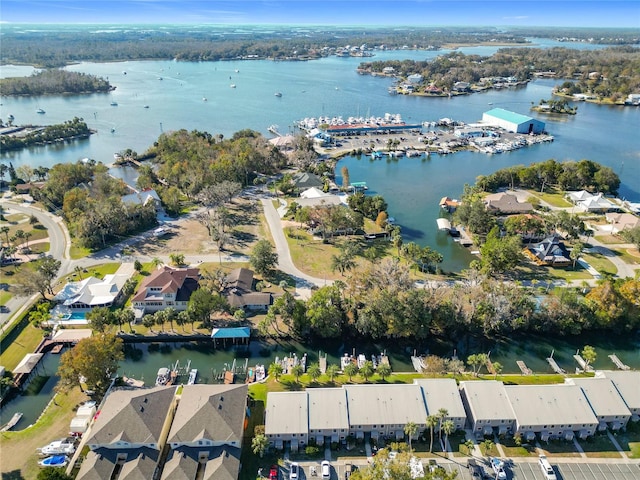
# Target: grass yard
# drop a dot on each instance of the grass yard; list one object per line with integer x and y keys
{"x": 77, "y": 251}
{"x": 559, "y": 448}
{"x": 600, "y": 263}
{"x": 25, "y": 340}
{"x": 599, "y": 446}
{"x": 4, "y": 297}
{"x": 554, "y": 199}
{"x": 18, "y": 459}
{"x": 309, "y": 255}
{"x": 629, "y": 440}
{"x": 610, "y": 239}
{"x": 629, "y": 255}
{"x": 511, "y": 449}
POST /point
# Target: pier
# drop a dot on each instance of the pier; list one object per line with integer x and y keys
{"x": 618, "y": 363}
{"x": 12, "y": 423}
{"x": 322, "y": 361}
{"x": 523, "y": 368}
{"x": 554, "y": 366}
{"x": 582, "y": 362}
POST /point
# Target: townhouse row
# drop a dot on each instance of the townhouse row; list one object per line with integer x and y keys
{"x": 578, "y": 407}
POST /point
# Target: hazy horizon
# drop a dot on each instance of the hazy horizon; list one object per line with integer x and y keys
{"x": 499, "y": 13}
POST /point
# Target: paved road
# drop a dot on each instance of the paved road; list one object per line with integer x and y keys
{"x": 303, "y": 281}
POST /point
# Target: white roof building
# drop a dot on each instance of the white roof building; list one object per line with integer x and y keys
{"x": 596, "y": 203}
{"x": 628, "y": 384}
{"x": 443, "y": 393}
{"x": 92, "y": 292}
{"x": 287, "y": 418}
{"x": 328, "y": 416}
{"x": 487, "y": 406}
{"x": 580, "y": 196}
{"x": 605, "y": 401}
{"x": 384, "y": 409}
{"x": 552, "y": 411}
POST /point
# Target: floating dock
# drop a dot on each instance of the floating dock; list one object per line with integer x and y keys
{"x": 322, "y": 361}
{"x": 523, "y": 368}
{"x": 418, "y": 364}
{"x": 618, "y": 363}
{"x": 554, "y": 366}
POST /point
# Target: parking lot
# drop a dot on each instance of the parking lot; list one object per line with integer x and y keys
{"x": 516, "y": 471}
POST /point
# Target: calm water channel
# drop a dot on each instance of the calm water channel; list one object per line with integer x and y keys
{"x": 175, "y": 93}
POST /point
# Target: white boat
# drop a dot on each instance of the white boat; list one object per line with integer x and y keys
{"x": 41, "y": 111}
{"x": 193, "y": 373}
{"x": 204, "y": 99}
{"x": 345, "y": 360}
{"x": 233, "y": 85}
{"x": 260, "y": 373}
{"x": 114, "y": 104}
{"x": 361, "y": 360}
{"x": 57, "y": 447}
{"x": 163, "y": 376}
{"x": 278, "y": 94}
{"x": 54, "y": 461}
{"x": 236, "y": 70}
{"x": 146, "y": 106}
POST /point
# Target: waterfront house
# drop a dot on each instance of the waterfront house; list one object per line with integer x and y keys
{"x": 512, "y": 122}
{"x": 305, "y": 180}
{"x": 506, "y": 203}
{"x": 443, "y": 393}
{"x": 628, "y": 385}
{"x": 487, "y": 406}
{"x": 461, "y": 87}
{"x": 551, "y": 411}
{"x": 143, "y": 198}
{"x": 578, "y": 196}
{"x": 619, "y": 222}
{"x": 384, "y": 410}
{"x": 166, "y": 287}
{"x": 415, "y": 78}
{"x": 597, "y": 203}
{"x": 132, "y": 419}
{"x": 240, "y": 294}
{"x": 286, "y": 419}
{"x": 550, "y": 251}
{"x": 328, "y": 415}
{"x": 92, "y": 292}
{"x": 605, "y": 401}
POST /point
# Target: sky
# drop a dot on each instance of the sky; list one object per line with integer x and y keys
{"x": 570, "y": 13}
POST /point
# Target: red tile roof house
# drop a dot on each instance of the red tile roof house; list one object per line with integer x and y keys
{"x": 166, "y": 287}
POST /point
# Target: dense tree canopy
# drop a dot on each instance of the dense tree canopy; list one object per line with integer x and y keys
{"x": 54, "y": 81}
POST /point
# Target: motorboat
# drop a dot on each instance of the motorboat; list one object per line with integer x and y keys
{"x": 233, "y": 85}
{"x": 146, "y": 106}
{"x": 57, "y": 447}
{"x": 193, "y": 374}
{"x": 278, "y": 94}
{"x": 54, "y": 461}
{"x": 164, "y": 374}
{"x": 41, "y": 111}
{"x": 114, "y": 104}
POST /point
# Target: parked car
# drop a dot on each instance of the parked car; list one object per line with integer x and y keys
{"x": 546, "y": 467}
{"x": 293, "y": 471}
{"x": 273, "y": 472}
{"x": 326, "y": 469}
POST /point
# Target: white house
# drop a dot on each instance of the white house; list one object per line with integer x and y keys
{"x": 328, "y": 414}
{"x": 487, "y": 406}
{"x": 605, "y": 401}
{"x": 443, "y": 393}
{"x": 551, "y": 411}
{"x": 286, "y": 419}
{"x": 597, "y": 203}
{"x": 92, "y": 292}
{"x": 628, "y": 384}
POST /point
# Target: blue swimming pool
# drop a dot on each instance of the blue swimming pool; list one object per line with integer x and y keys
{"x": 76, "y": 316}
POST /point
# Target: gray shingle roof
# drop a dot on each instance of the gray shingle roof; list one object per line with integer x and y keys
{"x": 209, "y": 412}
{"x": 132, "y": 416}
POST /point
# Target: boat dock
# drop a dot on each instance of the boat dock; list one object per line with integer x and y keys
{"x": 12, "y": 423}
{"x": 582, "y": 362}
{"x": 418, "y": 363}
{"x": 322, "y": 361}
{"x": 554, "y": 366}
{"x": 618, "y": 363}
{"x": 523, "y": 368}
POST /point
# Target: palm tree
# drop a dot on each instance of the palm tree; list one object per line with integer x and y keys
{"x": 469, "y": 444}
{"x": 156, "y": 262}
{"x": 367, "y": 370}
{"x": 78, "y": 270}
{"x": 276, "y": 370}
{"x": 170, "y": 314}
{"x": 183, "y": 318}
{"x": 350, "y": 370}
{"x": 432, "y": 421}
{"x": 497, "y": 369}
{"x": 297, "y": 370}
{"x": 448, "y": 427}
{"x": 177, "y": 259}
{"x": 314, "y": 372}
{"x": 384, "y": 370}
{"x": 410, "y": 429}
{"x": 5, "y": 230}
{"x": 488, "y": 445}
{"x": 332, "y": 372}
{"x": 159, "y": 318}
{"x": 259, "y": 444}
{"x": 27, "y": 235}
{"x": 442, "y": 414}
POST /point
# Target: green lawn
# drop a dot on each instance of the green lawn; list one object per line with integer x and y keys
{"x": 560, "y": 448}
{"x": 609, "y": 239}
{"x": 554, "y": 199}
{"x": 26, "y": 340}
{"x": 77, "y": 252}
{"x": 511, "y": 449}
{"x": 4, "y": 297}
{"x": 629, "y": 440}
{"x": 599, "y": 446}
{"x": 600, "y": 263}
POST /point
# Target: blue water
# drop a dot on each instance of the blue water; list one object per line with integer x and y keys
{"x": 77, "y": 316}
{"x": 332, "y": 87}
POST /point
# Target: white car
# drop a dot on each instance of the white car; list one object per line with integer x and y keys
{"x": 546, "y": 468}
{"x": 326, "y": 469}
{"x": 293, "y": 471}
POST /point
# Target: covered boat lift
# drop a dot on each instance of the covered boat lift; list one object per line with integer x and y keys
{"x": 241, "y": 334}
{"x": 443, "y": 224}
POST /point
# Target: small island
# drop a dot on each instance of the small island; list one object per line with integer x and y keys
{"x": 555, "y": 107}
{"x": 14, "y": 137}
{"x": 54, "y": 82}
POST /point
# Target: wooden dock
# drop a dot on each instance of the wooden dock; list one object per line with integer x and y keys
{"x": 12, "y": 423}
{"x": 523, "y": 368}
{"x": 57, "y": 348}
{"x": 554, "y": 366}
{"x": 583, "y": 364}
{"x": 322, "y": 361}
{"x": 618, "y": 363}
